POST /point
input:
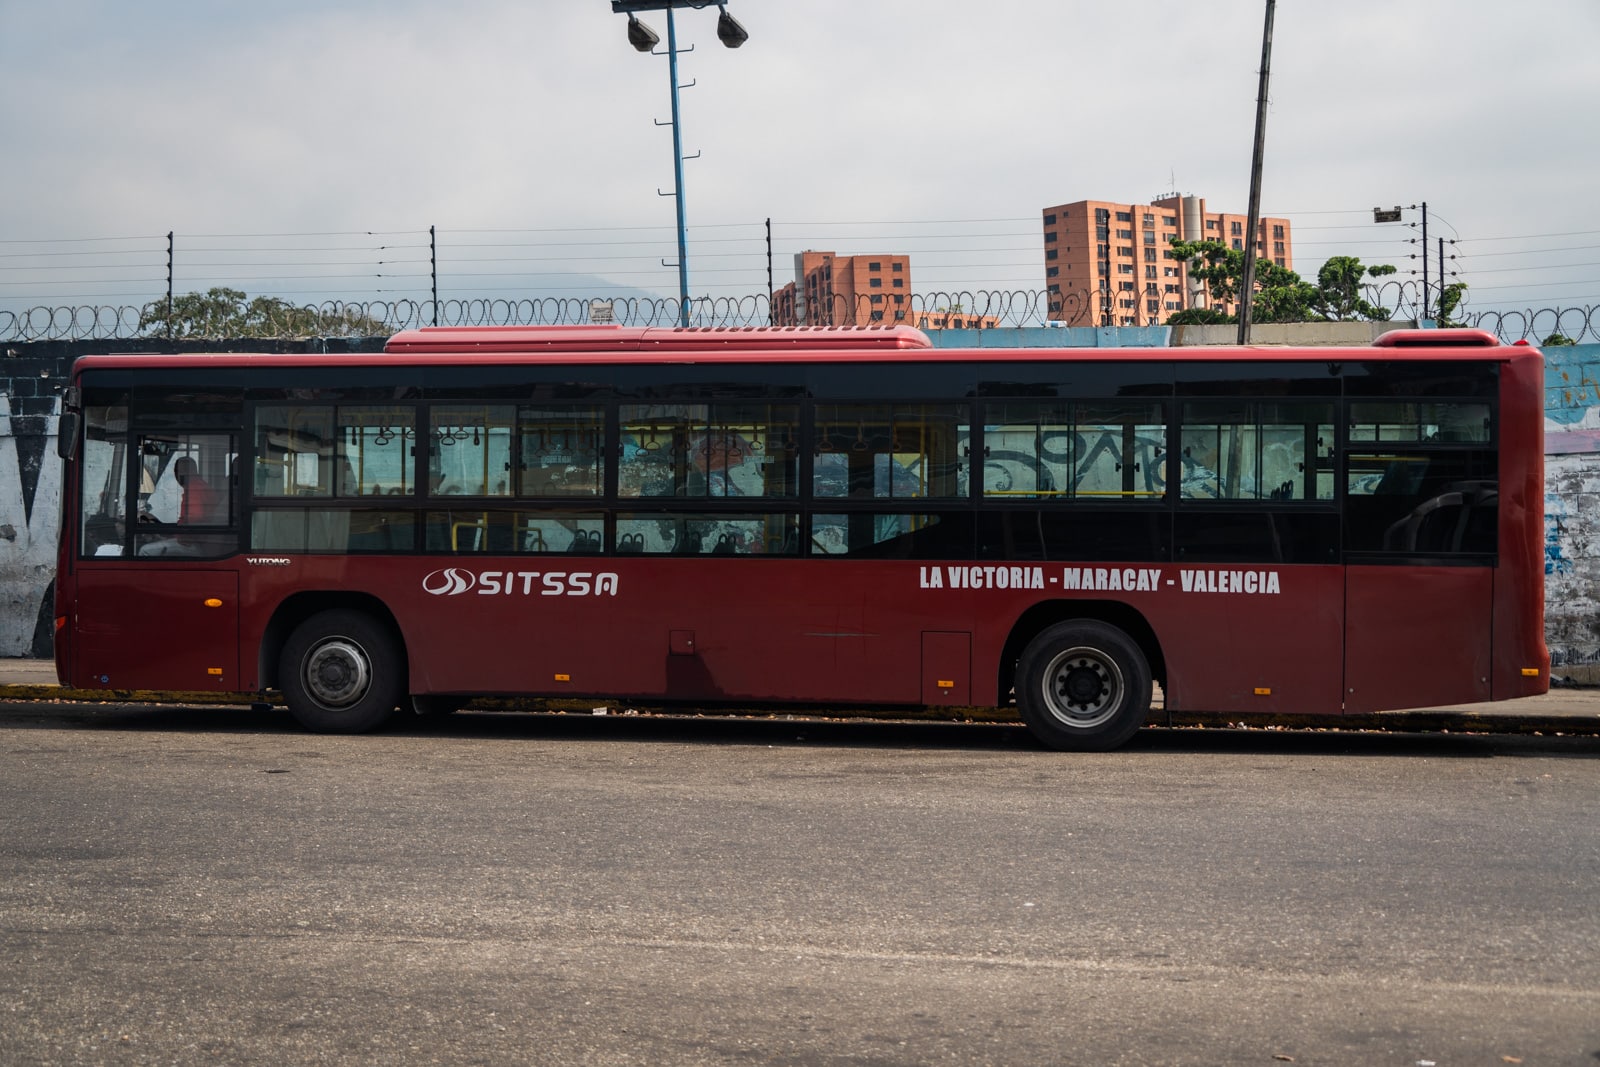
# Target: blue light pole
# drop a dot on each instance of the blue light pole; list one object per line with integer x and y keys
{"x": 644, "y": 39}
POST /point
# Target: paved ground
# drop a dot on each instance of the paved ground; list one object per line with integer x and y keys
{"x": 188, "y": 885}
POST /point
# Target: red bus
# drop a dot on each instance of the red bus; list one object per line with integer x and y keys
{"x": 817, "y": 517}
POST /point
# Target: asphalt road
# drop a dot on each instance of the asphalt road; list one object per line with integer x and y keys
{"x": 187, "y": 886}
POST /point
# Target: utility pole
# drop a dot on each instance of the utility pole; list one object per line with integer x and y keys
{"x": 1248, "y": 285}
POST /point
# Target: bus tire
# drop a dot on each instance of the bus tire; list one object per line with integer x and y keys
{"x": 340, "y": 673}
{"x": 1083, "y": 686}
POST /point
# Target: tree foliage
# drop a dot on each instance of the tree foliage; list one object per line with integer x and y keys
{"x": 1339, "y": 290}
{"x": 1200, "y": 317}
{"x": 1281, "y": 294}
{"x": 1450, "y": 298}
{"x": 222, "y": 313}
{"x": 1556, "y": 340}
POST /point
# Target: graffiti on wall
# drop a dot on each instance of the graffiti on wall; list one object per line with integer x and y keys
{"x": 30, "y": 513}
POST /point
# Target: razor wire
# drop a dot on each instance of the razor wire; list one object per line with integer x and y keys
{"x": 979, "y": 309}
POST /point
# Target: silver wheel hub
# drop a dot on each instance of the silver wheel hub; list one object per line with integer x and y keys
{"x": 1083, "y": 688}
{"x": 337, "y": 672}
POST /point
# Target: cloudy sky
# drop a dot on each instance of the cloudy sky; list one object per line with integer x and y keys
{"x": 305, "y": 147}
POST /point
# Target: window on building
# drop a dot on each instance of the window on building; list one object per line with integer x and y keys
{"x": 1125, "y": 250}
{"x": 1050, "y": 253}
{"x": 1277, "y": 231}
{"x": 875, "y": 283}
{"x": 1211, "y": 224}
{"x": 1149, "y": 220}
{"x": 1235, "y": 228}
{"x": 898, "y": 267}
{"x": 1277, "y": 247}
{"x": 899, "y": 283}
{"x": 1049, "y": 237}
{"x": 1105, "y": 268}
{"x": 1052, "y": 272}
{"x": 1149, "y": 272}
{"x": 1169, "y": 220}
{"x": 1238, "y": 244}
{"x": 1050, "y": 219}
{"x": 1279, "y": 261}
{"x": 877, "y": 298}
{"x": 1124, "y": 216}
{"x": 874, "y": 266}
{"x": 1124, "y": 268}
{"x": 1126, "y": 287}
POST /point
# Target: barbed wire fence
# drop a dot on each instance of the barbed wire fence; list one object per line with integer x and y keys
{"x": 979, "y": 309}
{"x": 94, "y": 284}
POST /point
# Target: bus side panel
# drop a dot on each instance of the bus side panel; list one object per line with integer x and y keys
{"x": 1251, "y": 639}
{"x": 1416, "y": 636}
{"x": 672, "y": 629}
{"x": 1519, "y": 643}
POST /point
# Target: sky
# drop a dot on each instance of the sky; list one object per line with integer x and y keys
{"x": 305, "y": 149}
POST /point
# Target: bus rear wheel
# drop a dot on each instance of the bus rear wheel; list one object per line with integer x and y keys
{"x": 340, "y": 672}
{"x": 1083, "y": 686}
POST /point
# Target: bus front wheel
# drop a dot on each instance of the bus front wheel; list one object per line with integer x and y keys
{"x": 1083, "y": 686}
{"x": 341, "y": 673}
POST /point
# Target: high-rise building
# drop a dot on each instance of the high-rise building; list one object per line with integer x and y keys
{"x": 831, "y": 290}
{"x": 1106, "y": 264}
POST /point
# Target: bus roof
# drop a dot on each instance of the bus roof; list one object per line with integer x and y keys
{"x": 432, "y": 346}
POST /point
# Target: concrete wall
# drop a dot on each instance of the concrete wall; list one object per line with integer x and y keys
{"x": 30, "y": 498}
{"x": 32, "y": 377}
{"x": 1572, "y": 510}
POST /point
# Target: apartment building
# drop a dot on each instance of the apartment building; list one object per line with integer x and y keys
{"x": 1106, "y": 263}
{"x": 833, "y": 290}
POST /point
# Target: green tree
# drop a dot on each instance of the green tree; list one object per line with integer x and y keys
{"x": 1281, "y": 294}
{"x": 1339, "y": 290}
{"x": 1449, "y": 300}
{"x": 223, "y": 313}
{"x": 1199, "y": 317}
{"x": 1556, "y": 340}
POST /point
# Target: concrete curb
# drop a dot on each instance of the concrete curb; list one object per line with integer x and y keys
{"x": 1427, "y": 720}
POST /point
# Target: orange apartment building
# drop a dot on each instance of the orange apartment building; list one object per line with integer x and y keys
{"x": 834, "y": 290}
{"x": 1106, "y": 264}
{"x": 831, "y": 290}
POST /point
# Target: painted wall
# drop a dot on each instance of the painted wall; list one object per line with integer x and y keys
{"x": 1572, "y": 510}
{"x": 32, "y": 376}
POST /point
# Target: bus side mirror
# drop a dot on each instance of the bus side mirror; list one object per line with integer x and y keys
{"x": 67, "y": 435}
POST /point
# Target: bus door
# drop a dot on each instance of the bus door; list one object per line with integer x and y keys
{"x": 1420, "y": 535}
{"x": 149, "y": 627}
{"x": 152, "y": 609}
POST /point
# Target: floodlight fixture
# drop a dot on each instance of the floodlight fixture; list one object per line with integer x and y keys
{"x": 729, "y": 32}
{"x": 642, "y": 37}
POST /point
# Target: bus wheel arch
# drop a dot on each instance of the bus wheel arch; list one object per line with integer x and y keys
{"x": 342, "y": 670}
{"x": 296, "y": 610}
{"x": 1146, "y": 661}
{"x": 1083, "y": 685}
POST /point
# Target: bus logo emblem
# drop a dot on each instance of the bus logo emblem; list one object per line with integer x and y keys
{"x": 449, "y": 582}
